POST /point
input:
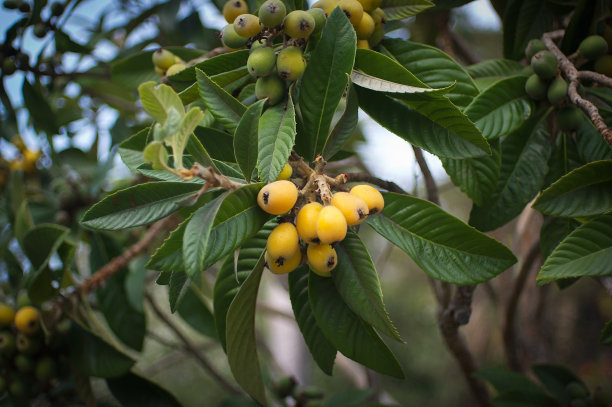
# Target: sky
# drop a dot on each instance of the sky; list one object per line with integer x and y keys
{"x": 398, "y": 164}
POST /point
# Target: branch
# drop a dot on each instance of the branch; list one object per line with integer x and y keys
{"x": 571, "y": 74}
{"x": 101, "y": 275}
{"x": 509, "y": 335}
{"x": 595, "y": 77}
{"x": 191, "y": 348}
{"x": 430, "y": 184}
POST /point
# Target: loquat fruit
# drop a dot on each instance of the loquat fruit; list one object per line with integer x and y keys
{"x": 163, "y": 59}
{"x": 290, "y": 63}
{"x": 371, "y": 196}
{"x": 270, "y": 87}
{"x": 231, "y": 39}
{"x": 233, "y": 8}
{"x": 261, "y": 61}
{"x": 331, "y": 225}
{"x": 285, "y": 173}
{"x": 283, "y": 241}
{"x": 353, "y": 10}
{"x": 306, "y": 222}
{"x": 277, "y": 197}
{"x": 272, "y": 12}
{"x": 354, "y": 209}
{"x": 322, "y": 259}
{"x": 7, "y": 315}
{"x": 247, "y": 25}
{"x": 284, "y": 266}
{"x": 299, "y": 24}
{"x": 27, "y": 320}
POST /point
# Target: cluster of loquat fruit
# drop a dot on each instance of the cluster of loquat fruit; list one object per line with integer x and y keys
{"x": 318, "y": 225}
{"x": 166, "y": 63}
{"x": 547, "y": 84}
{"x": 29, "y": 359}
{"x": 27, "y": 159}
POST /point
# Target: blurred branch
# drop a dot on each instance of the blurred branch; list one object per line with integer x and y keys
{"x": 191, "y": 348}
{"x": 571, "y": 74}
{"x": 366, "y": 177}
{"x": 509, "y": 335}
{"x": 455, "y": 310}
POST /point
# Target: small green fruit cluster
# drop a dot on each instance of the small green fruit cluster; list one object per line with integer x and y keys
{"x": 318, "y": 226}
{"x": 166, "y": 63}
{"x": 28, "y": 358}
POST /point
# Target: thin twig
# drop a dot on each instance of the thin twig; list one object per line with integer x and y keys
{"x": 191, "y": 348}
{"x": 430, "y": 184}
{"x": 509, "y": 335}
{"x": 571, "y": 74}
{"x": 595, "y": 77}
{"x": 104, "y": 273}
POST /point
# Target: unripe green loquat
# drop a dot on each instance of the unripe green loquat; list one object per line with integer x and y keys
{"x": 557, "y": 91}
{"x": 371, "y": 196}
{"x": 353, "y": 10}
{"x": 354, "y": 209}
{"x": 277, "y": 197}
{"x": 379, "y": 17}
{"x": 285, "y": 266}
{"x": 290, "y": 63}
{"x": 233, "y": 8}
{"x": 259, "y": 43}
{"x": 261, "y": 62}
{"x": 370, "y": 5}
{"x": 7, "y": 343}
{"x": 28, "y": 345}
{"x": 23, "y": 363}
{"x": 533, "y": 47}
{"x": 299, "y": 24}
{"x": 45, "y": 369}
{"x": 285, "y": 173}
{"x": 271, "y": 87}
{"x": 163, "y": 59}
{"x": 306, "y": 222}
{"x": 603, "y": 65}
{"x": 231, "y": 39}
{"x": 247, "y": 25}
{"x": 283, "y": 241}
{"x": 326, "y": 5}
{"x": 272, "y": 13}
{"x": 27, "y": 320}
{"x": 331, "y": 225}
{"x": 593, "y": 46}
{"x": 536, "y": 88}
{"x": 319, "y": 16}
{"x": 322, "y": 259}
{"x": 18, "y": 389}
{"x": 365, "y": 28}
{"x": 544, "y": 64}
{"x": 7, "y": 315}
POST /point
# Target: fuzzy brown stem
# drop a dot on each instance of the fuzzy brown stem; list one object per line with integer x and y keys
{"x": 571, "y": 74}
{"x": 101, "y": 275}
{"x": 213, "y": 178}
{"x": 191, "y": 348}
{"x": 509, "y": 334}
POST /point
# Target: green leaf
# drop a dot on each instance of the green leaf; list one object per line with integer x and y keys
{"x": 477, "y": 176}
{"x": 349, "y": 334}
{"x": 495, "y": 69}
{"x": 357, "y": 283}
{"x": 197, "y": 235}
{"x": 94, "y": 357}
{"x": 524, "y": 165}
{"x": 443, "y": 246}
{"x": 138, "y": 205}
{"x": 587, "y": 251}
{"x": 586, "y": 191}
{"x": 322, "y": 351}
{"x": 245, "y": 139}
{"x": 325, "y": 79}
{"x": 177, "y": 289}
{"x": 216, "y": 65}
{"x": 179, "y": 141}
{"x": 518, "y": 398}
{"x": 556, "y": 378}
{"x": 506, "y": 380}
{"x": 524, "y": 20}
{"x": 199, "y": 153}
{"x": 344, "y": 127}
{"x": 219, "y": 144}
{"x": 194, "y": 310}
{"x": 579, "y": 27}
{"x": 157, "y": 100}
{"x": 130, "y": 149}
{"x": 553, "y": 231}
{"x": 63, "y": 43}
{"x": 41, "y": 113}
{"x": 606, "y": 334}
{"x": 224, "y": 107}
{"x": 400, "y": 9}
{"x": 276, "y": 131}
{"x": 233, "y": 274}
{"x": 40, "y": 243}
{"x": 133, "y": 390}
{"x": 501, "y": 108}
{"x": 433, "y": 67}
{"x": 591, "y": 146}
{"x": 415, "y": 128}
{"x": 126, "y": 322}
{"x": 240, "y": 335}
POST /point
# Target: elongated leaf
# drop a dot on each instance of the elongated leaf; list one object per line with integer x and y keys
{"x": 245, "y": 139}
{"x": 522, "y": 21}
{"x": 179, "y": 141}
{"x": 344, "y": 127}
{"x": 495, "y": 69}
{"x": 501, "y": 108}
{"x": 325, "y": 80}
{"x": 587, "y": 251}
{"x": 197, "y": 235}
{"x": 322, "y": 351}
{"x": 477, "y": 176}
{"x": 357, "y": 283}
{"x": 130, "y": 149}
{"x": 40, "y": 111}
{"x": 524, "y": 160}
{"x": 177, "y": 289}
{"x": 553, "y": 231}
{"x": 400, "y": 9}
{"x": 136, "y": 391}
{"x": 219, "y": 144}
{"x": 506, "y": 380}
{"x": 138, "y": 205}
{"x": 586, "y": 191}
{"x": 41, "y": 242}
{"x": 349, "y": 334}
{"x": 277, "y": 130}
{"x": 199, "y": 153}
{"x": 415, "y": 128}
{"x": 232, "y": 275}
{"x": 443, "y": 246}
{"x": 196, "y": 313}
{"x": 433, "y": 67}
{"x": 159, "y": 99}
{"x": 224, "y": 107}
{"x": 240, "y": 336}
{"x": 591, "y": 146}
